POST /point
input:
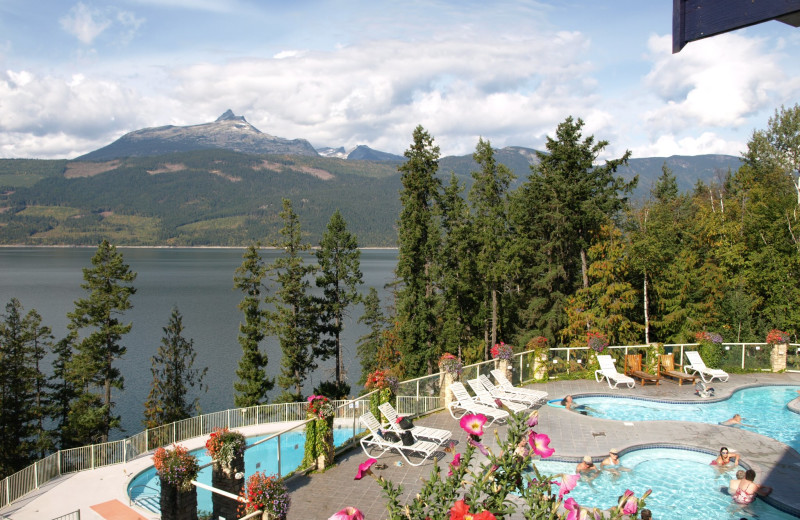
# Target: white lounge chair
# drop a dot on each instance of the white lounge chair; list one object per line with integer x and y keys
{"x": 499, "y": 393}
{"x": 374, "y": 445}
{"x": 609, "y": 372}
{"x": 465, "y": 404}
{"x": 697, "y": 365}
{"x": 435, "y": 434}
{"x": 483, "y": 396}
{"x": 507, "y": 386}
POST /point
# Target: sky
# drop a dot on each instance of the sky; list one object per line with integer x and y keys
{"x": 76, "y": 75}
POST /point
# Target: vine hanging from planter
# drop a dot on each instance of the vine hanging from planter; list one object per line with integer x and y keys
{"x": 386, "y": 385}
{"x": 319, "y": 448}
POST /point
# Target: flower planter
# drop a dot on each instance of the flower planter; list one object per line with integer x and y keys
{"x": 540, "y": 365}
{"x": 178, "y": 504}
{"x": 445, "y": 382}
{"x": 504, "y": 366}
{"x": 224, "y": 478}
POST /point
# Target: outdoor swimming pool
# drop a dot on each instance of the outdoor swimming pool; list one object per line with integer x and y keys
{"x": 763, "y": 408}
{"x": 146, "y": 486}
{"x": 685, "y": 486}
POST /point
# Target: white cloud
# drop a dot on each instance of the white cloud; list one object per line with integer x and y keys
{"x": 84, "y": 23}
{"x": 717, "y": 82}
{"x": 705, "y": 143}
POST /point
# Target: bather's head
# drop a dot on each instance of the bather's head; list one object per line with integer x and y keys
{"x": 750, "y": 475}
{"x": 723, "y": 451}
{"x": 567, "y": 401}
{"x": 740, "y": 474}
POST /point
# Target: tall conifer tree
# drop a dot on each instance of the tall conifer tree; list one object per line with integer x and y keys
{"x": 174, "y": 374}
{"x": 339, "y": 278}
{"x": 98, "y": 316}
{"x": 370, "y": 343}
{"x": 253, "y": 383}
{"x": 294, "y": 317}
{"x": 416, "y": 263}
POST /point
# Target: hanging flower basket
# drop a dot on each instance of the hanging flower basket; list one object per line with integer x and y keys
{"x": 176, "y": 467}
{"x": 596, "y": 341}
{"x": 266, "y": 493}
{"x": 450, "y": 364}
{"x": 502, "y": 351}
{"x": 224, "y": 446}
{"x": 776, "y": 337}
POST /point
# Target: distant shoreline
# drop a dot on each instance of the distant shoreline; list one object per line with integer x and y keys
{"x": 166, "y": 247}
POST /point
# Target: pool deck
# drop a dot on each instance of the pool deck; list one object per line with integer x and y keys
{"x": 318, "y": 495}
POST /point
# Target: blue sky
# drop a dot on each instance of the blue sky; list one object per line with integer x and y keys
{"x": 74, "y": 76}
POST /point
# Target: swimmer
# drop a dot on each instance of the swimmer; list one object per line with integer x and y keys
{"x": 646, "y": 514}
{"x": 725, "y": 458}
{"x": 567, "y": 402}
{"x": 733, "y": 484}
{"x": 736, "y": 420}
{"x": 571, "y": 406}
{"x": 587, "y": 469}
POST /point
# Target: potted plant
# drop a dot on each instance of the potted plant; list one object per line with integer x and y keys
{"x": 779, "y": 340}
{"x": 267, "y": 494}
{"x": 502, "y": 355}
{"x": 226, "y": 449}
{"x": 540, "y": 348}
{"x": 319, "y": 449}
{"x": 449, "y": 371}
{"x": 176, "y": 469}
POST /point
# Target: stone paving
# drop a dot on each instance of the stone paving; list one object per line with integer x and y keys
{"x": 318, "y": 495}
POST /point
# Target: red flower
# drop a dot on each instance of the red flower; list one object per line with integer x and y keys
{"x": 460, "y": 511}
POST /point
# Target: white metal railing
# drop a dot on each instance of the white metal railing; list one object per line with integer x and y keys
{"x": 414, "y": 397}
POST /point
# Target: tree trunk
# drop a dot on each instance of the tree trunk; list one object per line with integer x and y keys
{"x": 584, "y": 269}
{"x": 339, "y": 360}
{"x": 494, "y": 316}
{"x": 646, "y": 313}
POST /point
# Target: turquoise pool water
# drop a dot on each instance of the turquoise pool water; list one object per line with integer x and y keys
{"x": 263, "y": 457}
{"x": 763, "y": 408}
{"x": 685, "y": 486}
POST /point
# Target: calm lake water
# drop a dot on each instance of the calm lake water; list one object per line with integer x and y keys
{"x": 200, "y": 283}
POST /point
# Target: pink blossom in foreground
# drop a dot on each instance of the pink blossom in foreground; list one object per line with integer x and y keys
{"x": 363, "y": 468}
{"x": 473, "y": 423}
{"x": 533, "y": 419}
{"x": 348, "y": 513}
{"x": 455, "y": 464}
{"x": 568, "y": 483}
{"x": 539, "y": 442}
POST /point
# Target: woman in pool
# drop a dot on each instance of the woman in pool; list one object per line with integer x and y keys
{"x": 725, "y": 458}
{"x": 569, "y": 405}
{"x": 612, "y": 463}
{"x": 747, "y": 490}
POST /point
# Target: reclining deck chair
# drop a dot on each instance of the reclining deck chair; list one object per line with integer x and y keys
{"x": 499, "y": 393}
{"x": 633, "y": 368}
{"x": 668, "y": 369}
{"x": 434, "y": 434}
{"x": 697, "y": 365}
{"x": 506, "y": 386}
{"x": 482, "y": 395}
{"x": 465, "y": 404}
{"x": 374, "y": 445}
{"x": 609, "y": 372}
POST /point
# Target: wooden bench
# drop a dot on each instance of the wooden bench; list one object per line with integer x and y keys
{"x": 668, "y": 369}
{"x": 633, "y": 367}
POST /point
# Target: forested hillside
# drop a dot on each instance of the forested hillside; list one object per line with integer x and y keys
{"x": 225, "y": 198}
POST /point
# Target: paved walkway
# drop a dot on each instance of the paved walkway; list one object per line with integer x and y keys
{"x": 317, "y": 496}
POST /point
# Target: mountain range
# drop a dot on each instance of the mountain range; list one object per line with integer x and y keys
{"x": 221, "y": 183}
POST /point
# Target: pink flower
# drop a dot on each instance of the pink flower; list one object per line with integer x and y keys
{"x": 455, "y": 464}
{"x": 348, "y": 513}
{"x": 473, "y": 423}
{"x": 540, "y": 444}
{"x": 363, "y": 469}
{"x": 568, "y": 483}
{"x": 573, "y": 508}
{"x": 478, "y": 445}
{"x": 628, "y": 502}
{"x": 533, "y": 419}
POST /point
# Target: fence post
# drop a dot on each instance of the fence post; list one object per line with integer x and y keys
{"x": 279, "y": 456}
{"x": 742, "y": 345}
{"x": 36, "y": 474}
{"x": 417, "y": 389}
{"x": 229, "y": 418}
{"x": 91, "y": 457}
{"x": 147, "y": 440}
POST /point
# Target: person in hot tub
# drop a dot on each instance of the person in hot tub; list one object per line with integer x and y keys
{"x": 580, "y": 408}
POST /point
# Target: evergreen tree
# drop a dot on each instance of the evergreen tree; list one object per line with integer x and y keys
{"x": 339, "y": 277}
{"x": 462, "y": 316}
{"x": 62, "y": 391}
{"x": 173, "y": 375}
{"x": 558, "y": 213}
{"x": 490, "y": 207}
{"x": 369, "y": 344}
{"x": 294, "y": 317}
{"x": 253, "y": 383}
{"x": 17, "y": 392}
{"x": 92, "y": 366}
{"x": 39, "y": 339}
{"x": 419, "y": 241}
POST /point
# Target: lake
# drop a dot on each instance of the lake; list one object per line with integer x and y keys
{"x": 200, "y": 282}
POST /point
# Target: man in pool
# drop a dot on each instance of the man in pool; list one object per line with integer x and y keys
{"x": 612, "y": 464}
{"x": 569, "y": 405}
{"x": 587, "y": 469}
{"x": 736, "y": 420}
